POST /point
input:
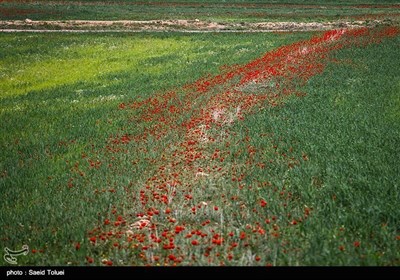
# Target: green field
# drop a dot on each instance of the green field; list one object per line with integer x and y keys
{"x": 245, "y": 149}
{"x": 59, "y": 95}
{"x": 220, "y": 11}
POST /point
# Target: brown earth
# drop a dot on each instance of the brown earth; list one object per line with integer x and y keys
{"x": 178, "y": 25}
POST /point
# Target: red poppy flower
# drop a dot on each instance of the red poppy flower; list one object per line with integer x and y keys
{"x": 172, "y": 109}
{"x": 218, "y": 241}
{"x": 172, "y": 257}
{"x": 178, "y": 229}
{"x": 195, "y": 242}
{"x": 263, "y": 203}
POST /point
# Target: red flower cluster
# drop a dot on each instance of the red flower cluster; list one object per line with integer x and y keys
{"x": 200, "y": 115}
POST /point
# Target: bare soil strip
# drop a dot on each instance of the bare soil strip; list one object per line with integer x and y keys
{"x": 174, "y": 25}
{"x": 197, "y": 4}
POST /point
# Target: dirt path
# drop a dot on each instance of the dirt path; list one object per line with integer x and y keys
{"x": 173, "y": 25}
{"x": 197, "y": 4}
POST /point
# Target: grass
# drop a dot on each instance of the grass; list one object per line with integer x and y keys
{"x": 113, "y": 163}
{"x": 236, "y": 11}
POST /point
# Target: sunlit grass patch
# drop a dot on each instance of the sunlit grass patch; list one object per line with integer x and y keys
{"x": 88, "y": 62}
